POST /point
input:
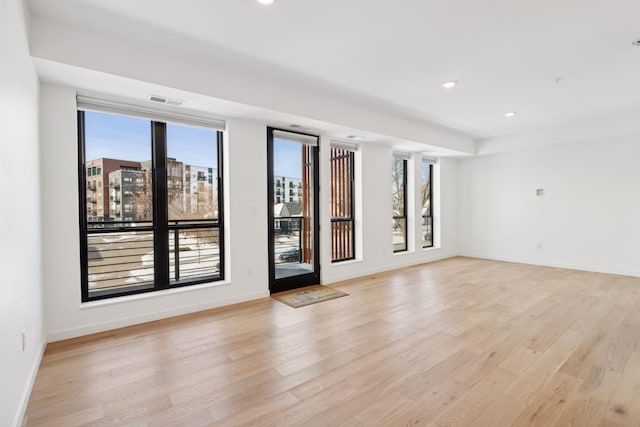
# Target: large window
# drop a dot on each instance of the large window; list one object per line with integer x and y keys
{"x": 426, "y": 195}
{"x": 427, "y": 202}
{"x": 158, "y": 222}
{"x": 399, "y": 200}
{"x": 342, "y": 204}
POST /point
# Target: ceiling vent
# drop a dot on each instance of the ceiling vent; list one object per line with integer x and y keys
{"x": 163, "y": 100}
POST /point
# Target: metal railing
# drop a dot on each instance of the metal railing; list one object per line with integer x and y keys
{"x": 120, "y": 259}
{"x": 121, "y": 253}
{"x": 288, "y": 239}
{"x": 194, "y": 249}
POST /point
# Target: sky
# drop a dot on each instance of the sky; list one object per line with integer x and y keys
{"x": 425, "y": 171}
{"x": 287, "y": 158}
{"x": 127, "y": 138}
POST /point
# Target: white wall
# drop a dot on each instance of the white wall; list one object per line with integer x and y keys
{"x": 587, "y": 219}
{"x": 246, "y": 171}
{"x": 20, "y": 282}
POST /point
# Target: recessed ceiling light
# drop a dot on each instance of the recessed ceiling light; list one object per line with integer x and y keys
{"x": 266, "y": 2}
{"x": 510, "y": 114}
{"x": 450, "y": 84}
{"x": 355, "y": 137}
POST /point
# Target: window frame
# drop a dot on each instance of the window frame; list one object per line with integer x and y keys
{"x": 431, "y": 204}
{"x": 404, "y": 204}
{"x": 352, "y": 202}
{"x": 160, "y": 224}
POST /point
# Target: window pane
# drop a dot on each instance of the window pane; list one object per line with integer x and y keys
{"x": 192, "y": 192}
{"x": 427, "y": 208}
{"x": 117, "y": 155}
{"x": 398, "y": 197}
{"x": 342, "y": 228}
{"x": 198, "y": 253}
{"x": 399, "y": 234}
{"x": 342, "y": 241}
{"x": 118, "y": 194}
{"x": 398, "y": 180}
{"x": 192, "y": 173}
{"x": 119, "y": 262}
{"x": 293, "y": 208}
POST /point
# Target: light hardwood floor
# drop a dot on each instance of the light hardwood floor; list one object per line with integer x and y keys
{"x": 457, "y": 342}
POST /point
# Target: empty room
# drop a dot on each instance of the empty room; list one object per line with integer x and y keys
{"x": 319, "y": 213}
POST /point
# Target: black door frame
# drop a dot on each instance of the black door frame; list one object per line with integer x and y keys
{"x": 312, "y": 278}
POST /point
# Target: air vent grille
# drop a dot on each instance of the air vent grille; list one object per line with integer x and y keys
{"x": 163, "y": 100}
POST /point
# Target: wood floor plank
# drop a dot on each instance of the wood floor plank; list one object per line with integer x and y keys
{"x": 624, "y": 406}
{"x": 549, "y": 404}
{"x": 582, "y": 412}
{"x": 474, "y": 401}
{"x": 456, "y": 342}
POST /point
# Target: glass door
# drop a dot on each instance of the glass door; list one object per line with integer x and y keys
{"x": 293, "y": 209}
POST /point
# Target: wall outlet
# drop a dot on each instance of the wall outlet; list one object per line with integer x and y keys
{"x": 539, "y": 246}
{"x": 24, "y": 339}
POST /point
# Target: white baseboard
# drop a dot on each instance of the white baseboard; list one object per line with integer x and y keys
{"x": 369, "y": 271}
{"x": 590, "y": 268}
{"x": 26, "y": 393}
{"x": 149, "y": 317}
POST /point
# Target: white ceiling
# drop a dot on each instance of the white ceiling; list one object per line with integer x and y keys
{"x": 507, "y": 55}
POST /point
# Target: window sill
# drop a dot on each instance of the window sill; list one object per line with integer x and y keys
{"x": 432, "y": 248}
{"x": 149, "y": 295}
{"x": 403, "y": 253}
{"x": 349, "y": 262}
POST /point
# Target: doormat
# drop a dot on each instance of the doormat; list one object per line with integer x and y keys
{"x": 307, "y": 296}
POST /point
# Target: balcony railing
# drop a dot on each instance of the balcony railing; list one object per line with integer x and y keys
{"x": 290, "y": 244}
{"x": 120, "y": 259}
{"x": 121, "y": 253}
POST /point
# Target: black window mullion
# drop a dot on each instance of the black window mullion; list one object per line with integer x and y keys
{"x": 160, "y": 202}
